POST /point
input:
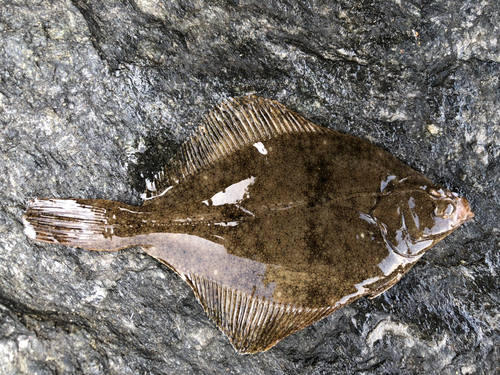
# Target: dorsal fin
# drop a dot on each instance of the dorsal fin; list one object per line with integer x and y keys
{"x": 253, "y": 324}
{"x": 233, "y": 124}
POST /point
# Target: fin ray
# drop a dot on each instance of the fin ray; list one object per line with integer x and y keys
{"x": 253, "y": 324}
{"x": 64, "y": 221}
{"x": 233, "y": 124}
{"x": 73, "y": 222}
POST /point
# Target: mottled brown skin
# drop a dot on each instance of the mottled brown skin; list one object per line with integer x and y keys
{"x": 317, "y": 220}
{"x": 300, "y": 218}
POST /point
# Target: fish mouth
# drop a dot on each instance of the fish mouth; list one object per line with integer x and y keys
{"x": 464, "y": 212}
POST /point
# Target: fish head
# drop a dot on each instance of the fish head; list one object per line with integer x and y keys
{"x": 414, "y": 220}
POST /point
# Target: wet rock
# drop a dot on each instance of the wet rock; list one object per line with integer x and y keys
{"x": 96, "y": 96}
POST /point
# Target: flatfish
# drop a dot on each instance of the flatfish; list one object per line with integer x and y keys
{"x": 273, "y": 221}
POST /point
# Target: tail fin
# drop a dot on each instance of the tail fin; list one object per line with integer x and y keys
{"x": 71, "y": 222}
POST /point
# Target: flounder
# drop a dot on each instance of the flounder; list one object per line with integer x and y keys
{"x": 273, "y": 221}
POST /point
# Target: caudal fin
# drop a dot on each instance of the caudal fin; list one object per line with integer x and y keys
{"x": 69, "y": 221}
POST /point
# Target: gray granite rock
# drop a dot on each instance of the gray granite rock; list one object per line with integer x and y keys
{"x": 96, "y": 95}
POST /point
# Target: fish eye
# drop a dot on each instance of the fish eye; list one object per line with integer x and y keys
{"x": 436, "y": 193}
{"x": 449, "y": 211}
{"x": 445, "y": 210}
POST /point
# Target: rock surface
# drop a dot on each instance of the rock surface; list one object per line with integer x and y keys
{"x": 95, "y": 96}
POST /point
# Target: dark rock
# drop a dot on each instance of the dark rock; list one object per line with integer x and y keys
{"x": 95, "y": 95}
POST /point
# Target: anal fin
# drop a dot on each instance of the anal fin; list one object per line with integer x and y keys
{"x": 251, "y": 323}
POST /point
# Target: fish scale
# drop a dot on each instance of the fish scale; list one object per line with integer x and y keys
{"x": 273, "y": 221}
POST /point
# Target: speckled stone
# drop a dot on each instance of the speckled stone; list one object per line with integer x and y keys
{"x": 95, "y": 95}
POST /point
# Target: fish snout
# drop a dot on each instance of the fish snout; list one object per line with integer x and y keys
{"x": 464, "y": 212}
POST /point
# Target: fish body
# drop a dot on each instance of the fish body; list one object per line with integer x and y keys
{"x": 273, "y": 221}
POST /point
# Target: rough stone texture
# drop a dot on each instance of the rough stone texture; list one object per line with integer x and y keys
{"x": 95, "y": 95}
